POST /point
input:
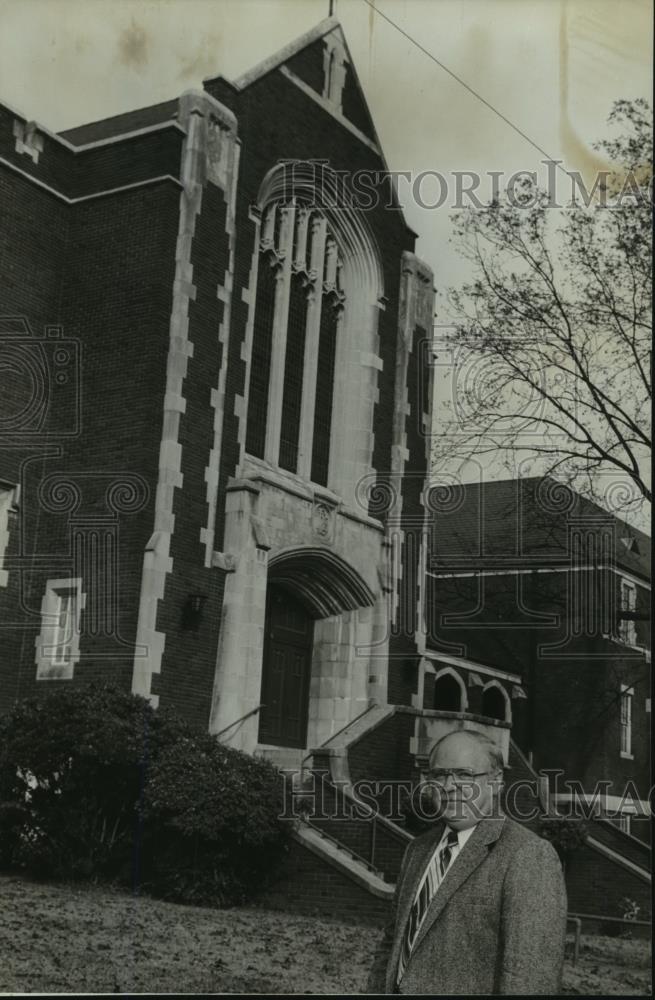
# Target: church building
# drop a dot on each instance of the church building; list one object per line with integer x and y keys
{"x": 217, "y": 412}
{"x": 215, "y": 421}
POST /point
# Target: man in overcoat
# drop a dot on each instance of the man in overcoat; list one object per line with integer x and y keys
{"x": 480, "y": 903}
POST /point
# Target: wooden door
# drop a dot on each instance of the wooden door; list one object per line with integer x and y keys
{"x": 286, "y": 671}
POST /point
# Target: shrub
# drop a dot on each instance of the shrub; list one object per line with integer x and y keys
{"x": 566, "y": 834}
{"x": 212, "y": 832}
{"x": 95, "y": 783}
{"x": 72, "y": 765}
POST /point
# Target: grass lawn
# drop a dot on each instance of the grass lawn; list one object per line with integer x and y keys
{"x": 85, "y": 939}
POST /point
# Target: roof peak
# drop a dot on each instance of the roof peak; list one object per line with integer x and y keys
{"x": 271, "y": 62}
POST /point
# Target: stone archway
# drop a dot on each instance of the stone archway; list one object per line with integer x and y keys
{"x": 310, "y": 673}
{"x": 323, "y": 581}
{"x": 347, "y": 618}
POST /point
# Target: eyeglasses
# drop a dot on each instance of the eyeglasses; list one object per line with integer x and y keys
{"x": 460, "y": 775}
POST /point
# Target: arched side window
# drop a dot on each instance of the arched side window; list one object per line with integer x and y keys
{"x": 262, "y": 343}
{"x": 449, "y": 692}
{"x": 495, "y": 702}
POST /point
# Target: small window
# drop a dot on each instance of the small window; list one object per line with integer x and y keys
{"x": 624, "y": 823}
{"x": 628, "y": 602}
{"x": 58, "y": 643}
{"x": 626, "y": 721}
{"x": 494, "y": 705}
{"x": 448, "y": 694}
{"x": 8, "y": 502}
{"x": 64, "y": 630}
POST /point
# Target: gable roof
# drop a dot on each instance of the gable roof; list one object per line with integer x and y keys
{"x": 355, "y": 94}
{"x": 140, "y": 118}
{"x": 287, "y": 52}
{"x": 127, "y": 121}
{"x": 512, "y": 522}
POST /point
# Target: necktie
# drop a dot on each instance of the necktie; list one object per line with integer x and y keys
{"x": 432, "y": 879}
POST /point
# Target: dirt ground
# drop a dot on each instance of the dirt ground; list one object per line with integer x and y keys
{"x": 85, "y": 939}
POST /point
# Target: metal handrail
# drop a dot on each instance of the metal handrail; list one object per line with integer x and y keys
{"x": 243, "y": 718}
{"x": 343, "y": 847}
{"x": 578, "y": 931}
{"x": 611, "y": 920}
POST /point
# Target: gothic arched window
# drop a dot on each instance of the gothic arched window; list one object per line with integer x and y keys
{"x": 448, "y": 693}
{"x": 494, "y": 702}
{"x": 297, "y": 316}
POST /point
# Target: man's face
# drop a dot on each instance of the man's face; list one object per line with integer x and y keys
{"x": 463, "y": 804}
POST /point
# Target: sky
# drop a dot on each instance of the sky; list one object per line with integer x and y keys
{"x": 549, "y": 69}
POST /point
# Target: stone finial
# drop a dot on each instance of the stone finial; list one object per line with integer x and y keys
{"x": 28, "y": 140}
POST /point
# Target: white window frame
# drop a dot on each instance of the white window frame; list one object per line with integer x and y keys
{"x": 625, "y": 722}
{"x": 624, "y": 823}
{"x": 627, "y": 629}
{"x": 8, "y": 504}
{"x": 58, "y": 642}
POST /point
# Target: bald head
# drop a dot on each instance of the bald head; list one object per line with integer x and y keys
{"x": 463, "y": 800}
{"x": 475, "y": 749}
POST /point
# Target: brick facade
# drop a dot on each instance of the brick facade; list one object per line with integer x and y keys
{"x": 144, "y": 230}
{"x": 305, "y": 884}
{"x": 127, "y": 482}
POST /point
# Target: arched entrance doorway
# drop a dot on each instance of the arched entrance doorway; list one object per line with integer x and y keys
{"x": 312, "y": 598}
{"x": 286, "y": 670}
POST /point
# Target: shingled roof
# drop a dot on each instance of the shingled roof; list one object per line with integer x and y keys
{"x": 523, "y": 522}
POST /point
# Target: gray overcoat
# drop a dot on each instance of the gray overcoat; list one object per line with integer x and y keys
{"x": 495, "y": 926}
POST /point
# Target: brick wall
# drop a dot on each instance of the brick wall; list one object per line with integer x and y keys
{"x": 306, "y": 884}
{"x": 105, "y": 271}
{"x": 596, "y": 886}
{"x": 383, "y": 754}
{"x": 337, "y": 815}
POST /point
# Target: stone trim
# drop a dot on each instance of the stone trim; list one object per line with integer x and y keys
{"x": 256, "y": 470}
{"x": 416, "y": 308}
{"x": 28, "y": 141}
{"x": 285, "y": 53}
{"x": 335, "y": 59}
{"x": 279, "y": 337}
{"x": 108, "y": 141}
{"x": 434, "y": 656}
{"x": 249, "y": 297}
{"x": 87, "y": 197}
{"x": 435, "y": 713}
{"x": 209, "y": 127}
{"x": 310, "y": 367}
{"x": 331, "y": 108}
{"x": 224, "y": 293}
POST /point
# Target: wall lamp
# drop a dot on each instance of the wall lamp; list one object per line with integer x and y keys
{"x": 192, "y": 611}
